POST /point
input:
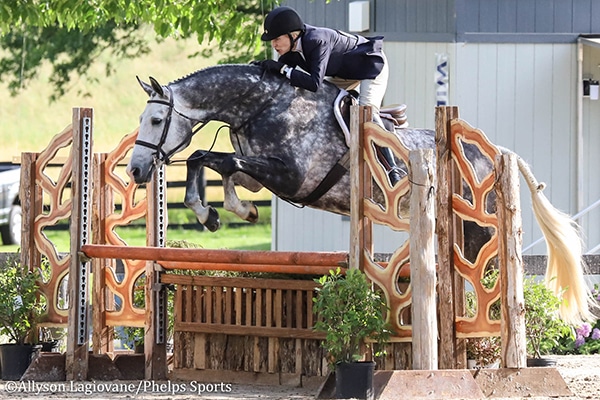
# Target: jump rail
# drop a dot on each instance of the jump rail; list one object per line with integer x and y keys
{"x": 317, "y": 263}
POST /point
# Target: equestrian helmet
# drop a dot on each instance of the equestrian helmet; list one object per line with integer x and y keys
{"x": 280, "y": 21}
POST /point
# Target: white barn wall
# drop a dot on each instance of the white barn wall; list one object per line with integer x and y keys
{"x": 591, "y": 133}
{"x": 308, "y": 229}
{"x": 523, "y": 96}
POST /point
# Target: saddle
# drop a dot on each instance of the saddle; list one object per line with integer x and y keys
{"x": 393, "y": 116}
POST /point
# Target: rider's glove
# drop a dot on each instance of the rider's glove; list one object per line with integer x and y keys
{"x": 270, "y": 65}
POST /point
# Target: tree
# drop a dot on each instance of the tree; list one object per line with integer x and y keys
{"x": 71, "y": 34}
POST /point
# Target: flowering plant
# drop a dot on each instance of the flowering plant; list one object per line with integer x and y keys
{"x": 586, "y": 338}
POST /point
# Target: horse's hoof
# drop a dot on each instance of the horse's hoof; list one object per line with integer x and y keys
{"x": 253, "y": 212}
{"x": 212, "y": 223}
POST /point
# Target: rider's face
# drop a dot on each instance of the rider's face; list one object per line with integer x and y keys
{"x": 282, "y": 44}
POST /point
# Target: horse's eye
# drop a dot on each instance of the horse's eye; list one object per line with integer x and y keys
{"x": 156, "y": 121}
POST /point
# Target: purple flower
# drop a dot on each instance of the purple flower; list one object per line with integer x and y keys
{"x": 584, "y": 330}
{"x": 596, "y": 334}
{"x": 579, "y": 341}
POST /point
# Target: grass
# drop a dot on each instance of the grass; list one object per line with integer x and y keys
{"x": 247, "y": 237}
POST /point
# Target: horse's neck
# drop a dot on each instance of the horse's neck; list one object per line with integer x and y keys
{"x": 224, "y": 98}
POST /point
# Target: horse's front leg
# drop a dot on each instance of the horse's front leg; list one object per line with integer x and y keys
{"x": 207, "y": 216}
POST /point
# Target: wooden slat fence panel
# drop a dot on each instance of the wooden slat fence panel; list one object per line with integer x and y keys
{"x": 245, "y": 325}
{"x": 235, "y": 306}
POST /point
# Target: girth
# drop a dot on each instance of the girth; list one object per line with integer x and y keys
{"x": 332, "y": 177}
{"x": 395, "y": 116}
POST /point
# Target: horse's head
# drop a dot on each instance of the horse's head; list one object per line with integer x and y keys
{"x": 163, "y": 132}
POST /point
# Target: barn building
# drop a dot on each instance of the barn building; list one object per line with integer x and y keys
{"x": 520, "y": 70}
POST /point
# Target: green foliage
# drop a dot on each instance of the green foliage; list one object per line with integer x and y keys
{"x": 19, "y": 305}
{"x": 349, "y": 312}
{"x": 543, "y": 327}
{"x": 545, "y": 331}
{"x": 70, "y": 34}
{"x": 69, "y": 52}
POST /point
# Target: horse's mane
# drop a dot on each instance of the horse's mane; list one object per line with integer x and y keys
{"x": 220, "y": 66}
{"x": 245, "y": 67}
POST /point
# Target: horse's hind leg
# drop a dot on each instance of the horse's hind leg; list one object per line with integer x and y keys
{"x": 246, "y": 210}
{"x": 207, "y": 216}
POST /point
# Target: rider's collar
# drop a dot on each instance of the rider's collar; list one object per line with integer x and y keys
{"x": 298, "y": 47}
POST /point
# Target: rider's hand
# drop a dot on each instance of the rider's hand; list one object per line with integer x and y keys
{"x": 270, "y": 65}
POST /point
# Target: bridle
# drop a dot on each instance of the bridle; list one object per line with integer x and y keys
{"x": 160, "y": 156}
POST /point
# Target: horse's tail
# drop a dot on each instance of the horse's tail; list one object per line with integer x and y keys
{"x": 565, "y": 269}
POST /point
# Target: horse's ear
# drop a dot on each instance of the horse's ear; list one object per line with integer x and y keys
{"x": 157, "y": 87}
{"x": 147, "y": 88}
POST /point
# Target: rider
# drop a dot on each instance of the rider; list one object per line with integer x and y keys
{"x": 346, "y": 60}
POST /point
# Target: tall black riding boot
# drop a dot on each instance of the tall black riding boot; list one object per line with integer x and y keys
{"x": 386, "y": 157}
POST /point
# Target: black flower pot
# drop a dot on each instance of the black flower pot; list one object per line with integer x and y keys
{"x": 541, "y": 362}
{"x": 138, "y": 348}
{"x": 51, "y": 346}
{"x": 354, "y": 380}
{"x": 15, "y": 358}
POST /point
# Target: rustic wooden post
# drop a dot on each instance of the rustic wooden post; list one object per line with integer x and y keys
{"x": 76, "y": 360}
{"x": 102, "y": 335}
{"x": 446, "y": 238}
{"x": 514, "y": 351}
{"x": 422, "y": 260}
{"x": 155, "y": 335}
{"x": 31, "y": 204}
{"x": 360, "y": 228}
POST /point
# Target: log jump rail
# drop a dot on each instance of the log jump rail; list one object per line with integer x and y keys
{"x": 315, "y": 263}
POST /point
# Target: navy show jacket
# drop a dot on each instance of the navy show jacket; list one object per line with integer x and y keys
{"x": 329, "y": 52}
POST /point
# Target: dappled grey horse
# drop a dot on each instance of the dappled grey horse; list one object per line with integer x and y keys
{"x": 288, "y": 140}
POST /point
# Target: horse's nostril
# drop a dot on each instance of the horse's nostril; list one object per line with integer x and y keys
{"x": 133, "y": 173}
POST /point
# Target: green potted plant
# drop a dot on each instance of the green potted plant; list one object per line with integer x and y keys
{"x": 543, "y": 327}
{"x": 19, "y": 310}
{"x": 349, "y": 312}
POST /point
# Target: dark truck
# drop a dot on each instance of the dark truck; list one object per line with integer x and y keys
{"x": 10, "y": 204}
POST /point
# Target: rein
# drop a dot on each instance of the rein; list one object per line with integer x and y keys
{"x": 164, "y": 157}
